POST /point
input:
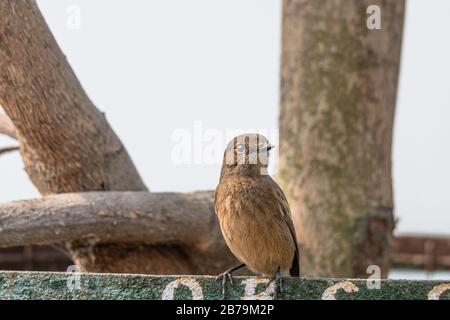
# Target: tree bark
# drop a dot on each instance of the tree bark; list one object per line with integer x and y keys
{"x": 338, "y": 93}
{"x": 66, "y": 143}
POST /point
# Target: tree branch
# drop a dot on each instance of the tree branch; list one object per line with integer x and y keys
{"x": 7, "y": 127}
{"x": 67, "y": 143}
{"x": 8, "y": 149}
{"x": 118, "y": 217}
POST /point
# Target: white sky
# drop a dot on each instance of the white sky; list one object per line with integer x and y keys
{"x": 157, "y": 66}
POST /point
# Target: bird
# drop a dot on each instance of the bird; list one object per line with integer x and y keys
{"x": 253, "y": 213}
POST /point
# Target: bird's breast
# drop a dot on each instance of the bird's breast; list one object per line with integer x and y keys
{"x": 253, "y": 227}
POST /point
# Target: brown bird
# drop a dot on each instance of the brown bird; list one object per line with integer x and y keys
{"x": 254, "y": 214}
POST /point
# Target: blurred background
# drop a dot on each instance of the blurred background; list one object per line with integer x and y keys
{"x": 155, "y": 67}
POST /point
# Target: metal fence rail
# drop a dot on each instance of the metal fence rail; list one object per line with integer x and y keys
{"x": 48, "y": 285}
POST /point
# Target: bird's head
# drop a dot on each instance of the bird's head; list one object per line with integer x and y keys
{"x": 246, "y": 154}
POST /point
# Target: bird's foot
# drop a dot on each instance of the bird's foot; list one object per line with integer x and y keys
{"x": 224, "y": 277}
{"x": 278, "y": 282}
{"x": 227, "y": 276}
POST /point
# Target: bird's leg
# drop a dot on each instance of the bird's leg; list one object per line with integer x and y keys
{"x": 227, "y": 275}
{"x": 278, "y": 283}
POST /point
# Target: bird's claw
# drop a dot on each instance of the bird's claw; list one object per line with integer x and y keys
{"x": 224, "y": 277}
{"x": 277, "y": 279}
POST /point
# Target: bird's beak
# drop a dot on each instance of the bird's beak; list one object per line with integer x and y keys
{"x": 267, "y": 147}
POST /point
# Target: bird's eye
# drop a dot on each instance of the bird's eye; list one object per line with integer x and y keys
{"x": 240, "y": 148}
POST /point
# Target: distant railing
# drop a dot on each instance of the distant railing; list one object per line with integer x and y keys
{"x": 429, "y": 253}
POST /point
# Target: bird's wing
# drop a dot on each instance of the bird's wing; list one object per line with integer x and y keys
{"x": 218, "y": 197}
{"x": 215, "y": 200}
{"x": 287, "y": 217}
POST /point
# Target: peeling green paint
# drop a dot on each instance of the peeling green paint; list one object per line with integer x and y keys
{"x": 48, "y": 285}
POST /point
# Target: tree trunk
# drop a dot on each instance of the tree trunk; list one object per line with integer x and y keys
{"x": 338, "y": 93}
{"x": 66, "y": 143}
